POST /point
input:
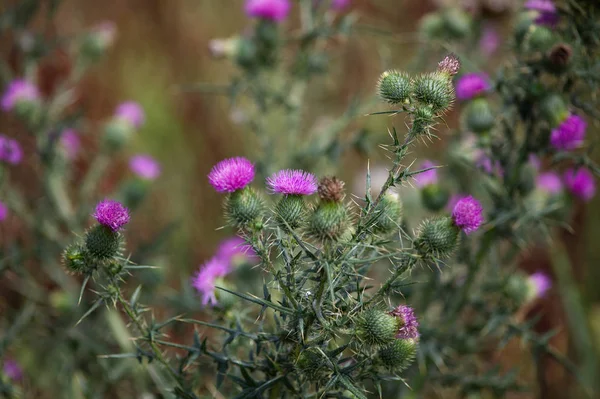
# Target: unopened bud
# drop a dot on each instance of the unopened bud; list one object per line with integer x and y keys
{"x": 117, "y": 133}
{"x": 291, "y": 211}
{"x": 95, "y": 43}
{"x": 560, "y": 57}
{"x": 377, "y": 327}
{"x": 244, "y": 208}
{"x": 328, "y": 221}
{"x": 554, "y": 109}
{"x": 434, "y": 197}
{"x": 400, "y": 354}
{"x": 331, "y": 189}
{"x": 437, "y": 238}
{"x": 102, "y": 242}
{"x": 394, "y": 87}
{"x": 388, "y": 214}
{"x": 478, "y": 116}
{"x": 76, "y": 260}
{"x": 434, "y": 90}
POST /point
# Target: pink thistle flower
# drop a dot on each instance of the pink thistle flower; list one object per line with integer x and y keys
{"x": 292, "y": 182}
{"x": 580, "y": 183}
{"x": 3, "y": 211}
{"x": 427, "y": 178}
{"x": 204, "y": 280}
{"x": 489, "y": 41}
{"x": 10, "y": 150}
{"x": 549, "y": 182}
{"x": 18, "y": 90}
{"x": 131, "y": 113}
{"x": 233, "y": 249}
{"x": 569, "y": 134}
{"x": 546, "y": 12}
{"x": 272, "y": 10}
{"x": 471, "y": 85}
{"x": 409, "y": 326}
{"x": 539, "y": 283}
{"x": 106, "y": 32}
{"x": 468, "y": 214}
{"x": 111, "y": 214}
{"x": 339, "y": 5}
{"x": 12, "y": 370}
{"x": 70, "y": 142}
{"x": 144, "y": 166}
{"x": 231, "y": 174}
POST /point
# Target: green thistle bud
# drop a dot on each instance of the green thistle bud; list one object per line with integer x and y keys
{"x": 435, "y": 90}
{"x": 399, "y": 354}
{"x": 311, "y": 364}
{"x": 103, "y": 243}
{"x": 76, "y": 260}
{"x": 244, "y": 208}
{"x": 267, "y": 41}
{"x": 114, "y": 268}
{"x": 554, "y": 109}
{"x": 245, "y": 54}
{"x": 377, "y": 327}
{"x": 388, "y": 213}
{"x": 328, "y": 221}
{"x": 434, "y": 197}
{"x": 394, "y": 87}
{"x": 134, "y": 193}
{"x": 116, "y": 134}
{"x": 291, "y": 209}
{"x": 478, "y": 116}
{"x": 457, "y": 23}
{"x": 423, "y": 120}
{"x": 517, "y": 288}
{"x": 524, "y": 22}
{"x": 539, "y": 39}
{"x": 437, "y": 238}
{"x": 432, "y": 26}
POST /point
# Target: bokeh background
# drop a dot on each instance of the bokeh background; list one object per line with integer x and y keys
{"x": 162, "y": 54}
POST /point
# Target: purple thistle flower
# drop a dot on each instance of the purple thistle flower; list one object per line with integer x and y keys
{"x": 409, "y": 326}
{"x": 489, "y": 41}
{"x": 549, "y": 182}
{"x": 272, "y": 10}
{"x": 131, "y": 113}
{"x": 467, "y": 214}
{"x": 231, "y": 174}
{"x": 10, "y": 150}
{"x": 204, "y": 280}
{"x": 70, "y": 142}
{"x": 339, "y": 5}
{"x": 12, "y": 370}
{"x": 17, "y": 91}
{"x": 569, "y": 134}
{"x": 580, "y": 183}
{"x": 426, "y": 178}
{"x": 471, "y": 85}
{"x": 292, "y": 182}
{"x": 546, "y": 12}
{"x": 233, "y": 249}
{"x": 144, "y": 166}
{"x": 3, "y": 211}
{"x": 540, "y": 283}
{"x": 111, "y": 214}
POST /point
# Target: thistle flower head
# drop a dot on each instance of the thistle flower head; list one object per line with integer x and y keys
{"x": 3, "y": 211}
{"x": 549, "y": 182}
{"x": 546, "y": 11}
{"x": 394, "y": 87}
{"x": 409, "y": 326}
{"x": 70, "y": 142}
{"x": 204, "y": 280}
{"x": 131, "y": 113}
{"x": 331, "y": 189}
{"x": 144, "y": 166}
{"x": 111, "y": 214}
{"x": 10, "y": 150}
{"x": 231, "y": 174}
{"x": 428, "y": 177}
{"x": 569, "y": 134}
{"x": 19, "y": 90}
{"x": 272, "y": 10}
{"x": 539, "y": 283}
{"x": 292, "y": 182}
{"x": 467, "y": 214}
{"x": 580, "y": 183}
{"x": 234, "y": 248}
{"x": 450, "y": 65}
{"x": 12, "y": 370}
{"x": 471, "y": 85}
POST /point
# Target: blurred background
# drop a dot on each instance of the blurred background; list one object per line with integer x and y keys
{"x": 162, "y": 54}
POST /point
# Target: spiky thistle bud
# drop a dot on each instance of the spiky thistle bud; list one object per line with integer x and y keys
{"x": 102, "y": 242}
{"x": 539, "y": 39}
{"x": 98, "y": 40}
{"x": 437, "y": 238}
{"x": 423, "y": 119}
{"x": 554, "y": 109}
{"x": 434, "y": 197}
{"x": 293, "y": 184}
{"x": 244, "y": 208}
{"x": 400, "y": 354}
{"x": 311, "y": 364}
{"x": 330, "y": 218}
{"x": 377, "y": 327}
{"x": 478, "y": 116}
{"x": 388, "y": 213}
{"x": 394, "y": 87}
{"x": 435, "y": 90}
{"x": 76, "y": 260}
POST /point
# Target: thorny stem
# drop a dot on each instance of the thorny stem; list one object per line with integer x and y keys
{"x": 405, "y": 265}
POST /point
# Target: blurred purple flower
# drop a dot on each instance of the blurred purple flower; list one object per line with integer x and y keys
{"x": 580, "y": 183}
{"x": 426, "y": 178}
{"x": 12, "y": 370}
{"x": 233, "y": 249}
{"x": 10, "y": 150}
{"x": 540, "y": 284}
{"x": 144, "y": 166}
{"x": 471, "y": 85}
{"x": 18, "y": 90}
{"x": 546, "y": 12}
{"x": 231, "y": 174}
{"x": 273, "y": 10}
{"x": 204, "y": 280}
{"x": 131, "y": 113}
{"x": 339, "y": 5}
{"x": 292, "y": 182}
{"x": 569, "y": 134}
{"x": 70, "y": 142}
{"x": 485, "y": 163}
{"x": 3, "y": 211}
{"x": 549, "y": 182}
{"x": 111, "y": 214}
{"x": 489, "y": 41}
{"x": 468, "y": 214}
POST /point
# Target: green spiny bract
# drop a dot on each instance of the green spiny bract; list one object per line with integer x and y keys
{"x": 478, "y": 116}
{"x": 290, "y": 211}
{"x": 312, "y": 364}
{"x": 400, "y": 354}
{"x": 437, "y": 238}
{"x": 77, "y": 260}
{"x": 435, "y": 90}
{"x": 103, "y": 243}
{"x": 377, "y": 327}
{"x": 244, "y": 208}
{"x": 394, "y": 87}
{"x": 328, "y": 221}
{"x": 423, "y": 120}
{"x": 434, "y": 197}
{"x": 539, "y": 39}
{"x": 388, "y": 214}
{"x": 554, "y": 109}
